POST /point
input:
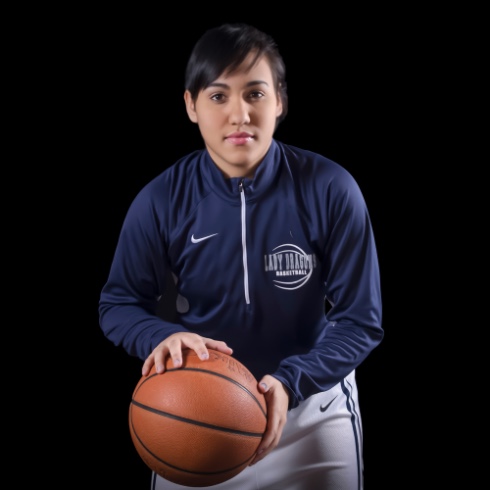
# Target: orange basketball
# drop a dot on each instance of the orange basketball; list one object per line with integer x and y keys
{"x": 200, "y": 424}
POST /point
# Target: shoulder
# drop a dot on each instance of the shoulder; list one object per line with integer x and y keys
{"x": 173, "y": 189}
{"x": 317, "y": 169}
{"x": 169, "y": 199}
{"x": 325, "y": 185}
{"x": 179, "y": 175}
{"x": 180, "y": 172}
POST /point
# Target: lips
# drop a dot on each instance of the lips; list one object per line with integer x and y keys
{"x": 239, "y": 138}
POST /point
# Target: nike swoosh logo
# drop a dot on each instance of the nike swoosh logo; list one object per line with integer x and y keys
{"x": 197, "y": 240}
{"x": 324, "y": 409}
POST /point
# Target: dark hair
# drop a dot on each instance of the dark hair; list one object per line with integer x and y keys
{"x": 223, "y": 49}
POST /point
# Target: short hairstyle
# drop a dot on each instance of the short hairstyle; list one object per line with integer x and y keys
{"x": 223, "y": 49}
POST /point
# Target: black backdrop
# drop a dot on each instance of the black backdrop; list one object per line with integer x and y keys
{"x": 345, "y": 98}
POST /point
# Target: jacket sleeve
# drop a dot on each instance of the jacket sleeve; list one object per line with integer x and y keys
{"x": 137, "y": 279}
{"x": 350, "y": 269}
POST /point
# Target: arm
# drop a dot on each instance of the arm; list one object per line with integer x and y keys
{"x": 137, "y": 278}
{"x": 352, "y": 287}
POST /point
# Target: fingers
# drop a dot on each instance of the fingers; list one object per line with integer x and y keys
{"x": 277, "y": 399}
{"x": 218, "y": 345}
{"x": 173, "y": 346}
{"x": 147, "y": 365}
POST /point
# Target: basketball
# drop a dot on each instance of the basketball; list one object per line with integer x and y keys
{"x": 200, "y": 424}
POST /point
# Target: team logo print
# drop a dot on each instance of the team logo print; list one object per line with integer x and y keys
{"x": 291, "y": 266}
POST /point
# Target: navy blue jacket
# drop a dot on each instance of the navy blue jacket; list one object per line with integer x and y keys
{"x": 283, "y": 267}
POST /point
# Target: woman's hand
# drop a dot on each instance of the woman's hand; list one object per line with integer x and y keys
{"x": 277, "y": 399}
{"x": 174, "y": 344}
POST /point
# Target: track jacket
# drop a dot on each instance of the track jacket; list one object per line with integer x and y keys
{"x": 283, "y": 267}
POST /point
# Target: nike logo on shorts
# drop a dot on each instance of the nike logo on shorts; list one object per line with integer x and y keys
{"x": 197, "y": 240}
{"x": 324, "y": 409}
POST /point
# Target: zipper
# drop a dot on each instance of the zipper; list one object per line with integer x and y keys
{"x": 244, "y": 242}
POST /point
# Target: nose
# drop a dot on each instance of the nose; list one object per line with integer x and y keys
{"x": 239, "y": 112}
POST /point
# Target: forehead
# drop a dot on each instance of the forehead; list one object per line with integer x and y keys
{"x": 250, "y": 68}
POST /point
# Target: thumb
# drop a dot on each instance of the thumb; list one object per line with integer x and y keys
{"x": 266, "y": 383}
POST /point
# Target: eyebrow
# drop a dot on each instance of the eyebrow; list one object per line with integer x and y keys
{"x": 249, "y": 84}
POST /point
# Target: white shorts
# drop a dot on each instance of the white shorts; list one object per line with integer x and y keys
{"x": 320, "y": 448}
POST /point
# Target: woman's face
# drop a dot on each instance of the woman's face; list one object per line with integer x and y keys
{"x": 236, "y": 115}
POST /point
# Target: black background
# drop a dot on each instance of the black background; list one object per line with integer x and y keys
{"x": 124, "y": 121}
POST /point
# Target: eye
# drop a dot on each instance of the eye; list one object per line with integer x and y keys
{"x": 218, "y": 97}
{"x": 256, "y": 94}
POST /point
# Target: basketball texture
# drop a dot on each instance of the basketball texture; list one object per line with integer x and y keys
{"x": 200, "y": 424}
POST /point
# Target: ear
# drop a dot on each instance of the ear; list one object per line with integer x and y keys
{"x": 190, "y": 106}
{"x": 279, "y": 105}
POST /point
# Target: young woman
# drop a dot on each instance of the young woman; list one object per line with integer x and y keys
{"x": 274, "y": 261}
